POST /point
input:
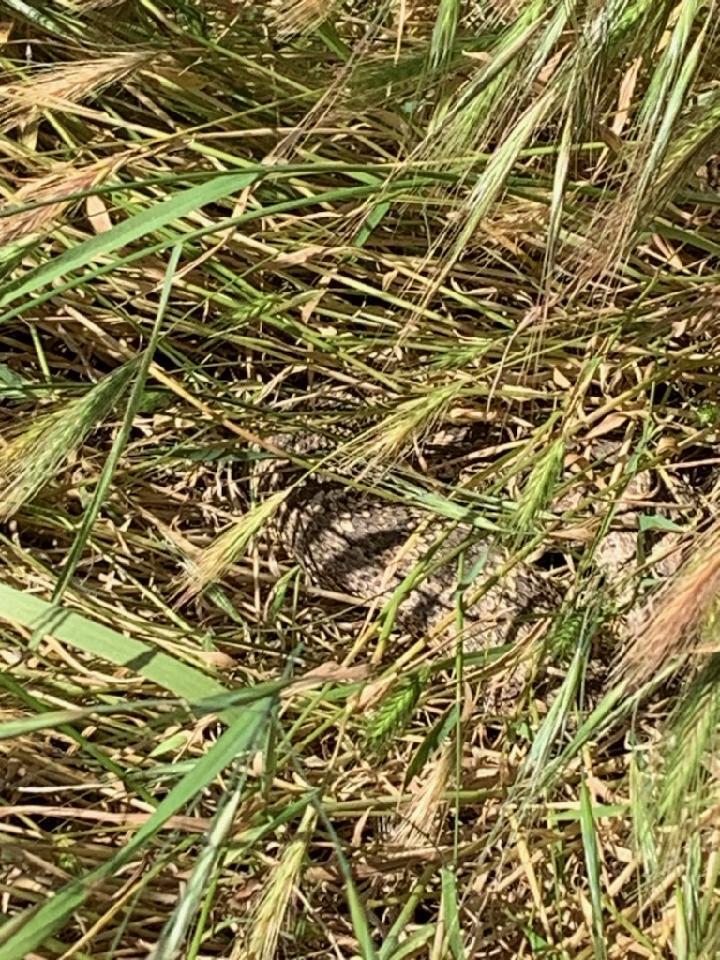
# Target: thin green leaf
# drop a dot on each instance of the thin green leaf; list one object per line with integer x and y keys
{"x": 148, "y": 221}
{"x": 435, "y": 737}
{"x": 41, "y": 923}
{"x": 592, "y": 864}
{"x": 452, "y": 928}
{"x": 100, "y": 641}
{"x": 136, "y": 397}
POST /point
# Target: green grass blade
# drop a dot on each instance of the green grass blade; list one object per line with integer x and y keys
{"x": 549, "y": 733}
{"x": 77, "y": 631}
{"x": 40, "y": 924}
{"x": 359, "y": 922}
{"x": 178, "y": 924}
{"x": 452, "y": 928}
{"x": 592, "y": 864}
{"x": 141, "y": 224}
{"x": 134, "y": 401}
{"x": 50, "y": 719}
{"x": 442, "y": 41}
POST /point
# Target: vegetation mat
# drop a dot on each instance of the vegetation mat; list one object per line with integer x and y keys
{"x": 471, "y": 252}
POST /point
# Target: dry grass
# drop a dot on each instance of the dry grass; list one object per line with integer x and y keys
{"x": 393, "y": 221}
{"x": 674, "y": 624}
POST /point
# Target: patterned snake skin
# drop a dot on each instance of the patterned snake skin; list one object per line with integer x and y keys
{"x": 366, "y": 547}
{"x": 363, "y": 546}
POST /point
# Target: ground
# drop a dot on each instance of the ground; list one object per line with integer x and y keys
{"x": 473, "y": 249}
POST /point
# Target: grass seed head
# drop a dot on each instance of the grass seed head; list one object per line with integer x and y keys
{"x": 673, "y": 624}
{"x": 50, "y": 195}
{"x": 34, "y": 457}
{"x": 272, "y": 909}
{"x": 62, "y": 88}
{"x": 394, "y": 711}
{"x": 419, "y": 818}
{"x": 215, "y": 560}
{"x": 539, "y": 488}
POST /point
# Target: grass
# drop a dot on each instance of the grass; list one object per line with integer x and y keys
{"x": 383, "y": 221}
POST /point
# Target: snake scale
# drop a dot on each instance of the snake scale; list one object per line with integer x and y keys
{"x": 364, "y": 546}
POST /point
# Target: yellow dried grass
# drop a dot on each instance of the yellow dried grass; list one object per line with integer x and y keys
{"x": 50, "y": 195}
{"x": 673, "y": 624}
{"x": 63, "y": 87}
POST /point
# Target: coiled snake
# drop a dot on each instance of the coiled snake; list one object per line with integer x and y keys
{"x": 365, "y": 545}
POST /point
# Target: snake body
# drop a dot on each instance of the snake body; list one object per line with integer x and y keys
{"x": 366, "y": 547}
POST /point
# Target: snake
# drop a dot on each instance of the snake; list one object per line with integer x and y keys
{"x": 371, "y": 543}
